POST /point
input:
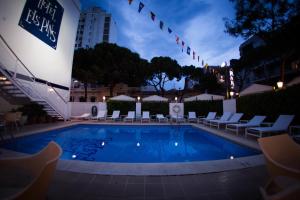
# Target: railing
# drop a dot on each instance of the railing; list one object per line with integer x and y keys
{"x": 17, "y": 72}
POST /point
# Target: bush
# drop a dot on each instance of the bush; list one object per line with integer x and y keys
{"x": 203, "y": 107}
{"x": 272, "y": 104}
{"x": 122, "y": 106}
{"x": 156, "y": 107}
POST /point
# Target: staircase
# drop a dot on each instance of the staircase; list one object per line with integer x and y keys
{"x": 20, "y": 86}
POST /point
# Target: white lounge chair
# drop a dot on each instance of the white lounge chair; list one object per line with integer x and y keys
{"x": 115, "y": 116}
{"x": 145, "y": 116}
{"x": 192, "y": 117}
{"x": 130, "y": 116}
{"x": 101, "y": 115}
{"x": 226, "y": 116}
{"x": 83, "y": 116}
{"x": 280, "y": 125}
{"x": 161, "y": 118}
{"x": 255, "y": 121}
{"x": 210, "y": 116}
{"x": 235, "y": 118}
{"x": 177, "y": 118}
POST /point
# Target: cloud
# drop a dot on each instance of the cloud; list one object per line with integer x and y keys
{"x": 198, "y": 22}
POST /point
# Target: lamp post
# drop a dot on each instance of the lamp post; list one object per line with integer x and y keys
{"x": 103, "y": 98}
{"x": 138, "y": 98}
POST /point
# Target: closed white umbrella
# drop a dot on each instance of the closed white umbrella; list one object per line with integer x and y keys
{"x": 256, "y": 88}
{"x": 155, "y": 98}
{"x": 204, "y": 97}
{"x": 122, "y": 98}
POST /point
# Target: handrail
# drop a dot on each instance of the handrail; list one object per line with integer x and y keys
{"x": 18, "y": 59}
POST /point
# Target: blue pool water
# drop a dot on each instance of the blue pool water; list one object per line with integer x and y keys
{"x": 133, "y": 144}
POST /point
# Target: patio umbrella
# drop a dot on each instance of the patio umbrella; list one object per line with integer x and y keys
{"x": 204, "y": 97}
{"x": 122, "y": 98}
{"x": 155, "y": 98}
{"x": 256, "y": 88}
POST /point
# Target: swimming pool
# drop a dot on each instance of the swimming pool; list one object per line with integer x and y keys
{"x": 134, "y": 144}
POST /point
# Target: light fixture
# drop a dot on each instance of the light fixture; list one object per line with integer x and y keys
{"x": 103, "y": 143}
{"x": 231, "y": 93}
{"x": 176, "y": 99}
{"x": 138, "y": 98}
{"x": 237, "y": 94}
{"x": 231, "y": 157}
{"x": 2, "y": 78}
{"x": 176, "y": 144}
{"x": 50, "y": 90}
{"x": 223, "y": 64}
{"x": 279, "y": 84}
{"x": 74, "y": 156}
{"x": 103, "y": 98}
{"x": 138, "y": 144}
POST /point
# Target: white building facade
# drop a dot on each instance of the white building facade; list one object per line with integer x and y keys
{"x": 95, "y": 26}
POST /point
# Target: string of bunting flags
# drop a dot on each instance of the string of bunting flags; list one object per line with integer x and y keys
{"x": 163, "y": 27}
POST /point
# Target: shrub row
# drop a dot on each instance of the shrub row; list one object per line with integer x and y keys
{"x": 122, "y": 106}
{"x": 272, "y": 104}
{"x": 203, "y": 107}
{"x": 156, "y": 107}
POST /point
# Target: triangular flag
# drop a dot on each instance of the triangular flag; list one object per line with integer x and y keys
{"x": 141, "y": 6}
{"x": 169, "y": 30}
{"x": 161, "y": 25}
{"x": 177, "y": 39}
{"x": 152, "y": 16}
{"x": 182, "y": 44}
{"x": 194, "y": 55}
{"x": 188, "y": 51}
{"x": 130, "y": 1}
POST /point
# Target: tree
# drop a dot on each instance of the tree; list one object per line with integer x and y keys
{"x": 84, "y": 68}
{"x": 119, "y": 65}
{"x": 162, "y": 70}
{"x": 272, "y": 20}
{"x": 260, "y": 17}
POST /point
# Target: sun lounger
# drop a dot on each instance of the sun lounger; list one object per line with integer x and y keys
{"x": 130, "y": 116}
{"x": 101, "y": 115}
{"x": 225, "y": 117}
{"x": 210, "y": 116}
{"x": 145, "y": 116}
{"x": 281, "y": 125}
{"x": 115, "y": 116}
{"x": 177, "y": 118}
{"x": 83, "y": 116}
{"x": 161, "y": 118}
{"x": 34, "y": 171}
{"x": 254, "y": 122}
{"x": 192, "y": 117}
{"x": 234, "y": 119}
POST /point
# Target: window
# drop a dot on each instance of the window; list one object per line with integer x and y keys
{"x": 93, "y": 99}
{"x": 72, "y": 98}
{"x": 81, "y": 99}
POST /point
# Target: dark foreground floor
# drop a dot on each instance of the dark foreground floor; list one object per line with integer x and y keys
{"x": 234, "y": 185}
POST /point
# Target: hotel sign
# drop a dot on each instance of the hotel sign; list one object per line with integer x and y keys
{"x": 42, "y": 18}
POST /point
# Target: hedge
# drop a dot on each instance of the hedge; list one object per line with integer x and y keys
{"x": 122, "y": 106}
{"x": 272, "y": 104}
{"x": 156, "y": 107}
{"x": 203, "y": 107}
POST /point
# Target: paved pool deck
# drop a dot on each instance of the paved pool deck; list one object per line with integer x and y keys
{"x": 232, "y": 184}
